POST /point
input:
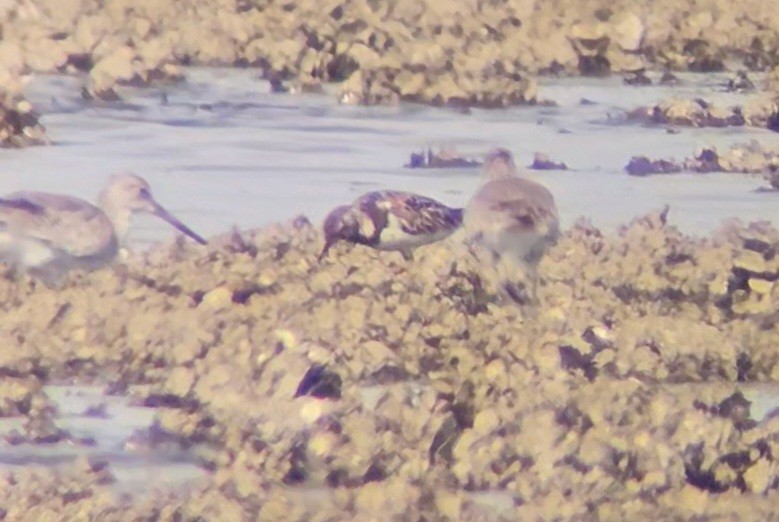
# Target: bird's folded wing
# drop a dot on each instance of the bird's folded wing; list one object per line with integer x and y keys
{"x": 420, "y": 215}
{"x": 22, "y": 205}
{"x": 524, "y": 215}
{"x": 66, "y": 223}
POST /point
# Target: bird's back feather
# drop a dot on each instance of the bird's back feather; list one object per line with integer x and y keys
{"x": 417, "y": 215}
{"x": 65, "y": 223}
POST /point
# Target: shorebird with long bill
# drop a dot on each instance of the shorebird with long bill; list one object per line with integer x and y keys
{"x": 50, "y": 234}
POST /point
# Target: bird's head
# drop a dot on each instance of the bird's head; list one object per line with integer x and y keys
{"x": 499, "y": 164}
{"x": 340, "y": 224}
{"x": 128, "y": 194}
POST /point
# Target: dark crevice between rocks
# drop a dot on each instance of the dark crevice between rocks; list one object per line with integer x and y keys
{"x": 168, "y": 400}
{"x": 376, "y": 472}
{"x": 344, "y": 290}
{"x": 59, "y": 315}
{"x": 701, "y": 57}
{"x": 743, "y": 367}
{"x": 597, "y": 343}
{"x": 19, "y": 121}
{"x": 462, "y": 412}
{"x": 671, "y": 298}
{"x": 320, "y": 382}
{"x": 737, "y": 461}
{"x": 338, "y": 477}
{"x": 376, "y": 332}
{"x": 81, "y": 62}
{"x": 389, "y": 374}
{"x": 444, "y": 440}
{"x": 384, "y": 289}
{"x": 164, "y": 288}
{"x": 429, "y": 363}
{"x": 572, "y": 418}
{"x": 743, "y": 275}
{"x": 735, "y": 408}
{"x": 76, "y": 496}
{"x": 463, "y": 407}
{"x": 761, "y": 247}
{"x": 636, "y": 79}
{"x": 576, "y": 463}
{"x": 242, "y": 295}
{"x": 773, "y": 122}
{"x": 280, "y": 250}
{"x": 573, "y": 359}
{"x": 197, "y": 297}
{"x": 297, "y": 472}
{"x": 623, "y": 466}
{"x": 341, "y": 67}
{"x": 597, "y": 66}
{"x": 433, "y": 341}
{"x": 30, "y": 367}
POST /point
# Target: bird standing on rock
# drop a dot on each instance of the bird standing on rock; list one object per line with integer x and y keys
{"x": 51, "y": 234}
{"x": 391, "y": 220}
{"x": 514, "y": 219}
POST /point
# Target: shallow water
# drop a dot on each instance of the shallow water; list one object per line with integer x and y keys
{"x": 138, "y": 471}
{"x": 764, "y": 397}
{"x": 221, "y": 150}
{"x": 134, "y": 470}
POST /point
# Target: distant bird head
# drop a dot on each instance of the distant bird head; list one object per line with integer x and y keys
{"x": 499, "y": 164}
{"x": 340, "y": 224}
{"x": 128, "y": 194}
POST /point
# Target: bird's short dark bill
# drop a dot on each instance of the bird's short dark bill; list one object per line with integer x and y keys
{"x": 160, "y": 212}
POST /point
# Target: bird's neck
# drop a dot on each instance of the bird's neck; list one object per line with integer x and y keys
{"x": 500, "y": 171}
{"x": 117, "y": 214}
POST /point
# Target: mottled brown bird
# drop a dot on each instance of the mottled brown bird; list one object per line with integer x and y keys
{"x": 391, "y": 220}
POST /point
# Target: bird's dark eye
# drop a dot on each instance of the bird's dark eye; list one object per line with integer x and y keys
{"x": 144, "y": 193}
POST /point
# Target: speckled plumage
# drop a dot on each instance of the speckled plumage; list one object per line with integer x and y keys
{"x": 391, "y": 220}
{"x": 417, "y": 215}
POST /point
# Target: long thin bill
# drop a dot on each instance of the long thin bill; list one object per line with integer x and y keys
{"x": 160, "y": 212}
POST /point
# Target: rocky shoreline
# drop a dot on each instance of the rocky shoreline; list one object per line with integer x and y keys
{"x": 456, "y": 54}
{"x": 371, "y": 387}
{"x": 750, "y": 158}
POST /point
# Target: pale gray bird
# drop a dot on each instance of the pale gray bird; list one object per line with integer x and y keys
{"x": 51, "y": 234}
{"x": 514, "y": 219}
